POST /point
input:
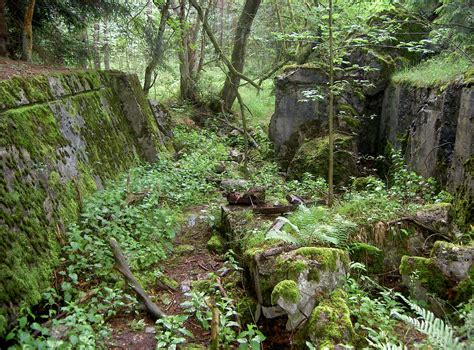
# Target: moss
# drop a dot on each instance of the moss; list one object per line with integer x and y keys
{"x": 245, "y": 307}
{"x": 372, "y": 257}
{"x": 216, "y": 244}
{"x": 184, "y": 249}
{"x": 327, "y": 257}
{"x": 286, "y": 289}
{"x": 330, "y": 322}
{"x": 53, "y": 153}
{"x": 428, "y": 274}
{"x": 465, "y": 289}
{"x": 312, "y": 157}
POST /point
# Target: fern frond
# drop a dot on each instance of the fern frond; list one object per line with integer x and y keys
{"x": 282, "y": 236}
{"x": 438, "y": 332}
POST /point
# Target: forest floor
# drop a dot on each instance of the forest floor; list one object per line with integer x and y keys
{"x": 193, "y": 263}
{"x": 10, "y": 69}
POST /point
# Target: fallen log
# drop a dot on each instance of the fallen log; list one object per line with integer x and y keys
{"x": 211, "y": 304}
{"x": 122, "y": 266}
{"x": 277, "y": 209}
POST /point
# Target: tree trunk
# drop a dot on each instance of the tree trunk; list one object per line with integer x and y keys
{"x": 157, "y": 49}
{"x": 229, "y": 91}
{"x": 190, "y": 65}
{"x": 331, "y": 111}
{"x": 3, "y": 30}
{"x": 95, "y": 46}
{"x": 28, "y": 31}
{"x": 106, "y": 44}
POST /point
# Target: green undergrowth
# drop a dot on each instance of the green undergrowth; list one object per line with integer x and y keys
{"x": 438, "y": 71}
{"x": 141, "y": 210}
{"x": 385, "y": 319}
{"x": 368, "y": 201}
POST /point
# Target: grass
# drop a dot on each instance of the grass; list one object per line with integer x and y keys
{"x": 437, "y": 71}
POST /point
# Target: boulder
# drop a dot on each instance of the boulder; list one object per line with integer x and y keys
{"x": 295, "y": 280}
{"x": 454, "y": 261}
{"x": 448, "y": 274}
{"x": 330, "y": 325}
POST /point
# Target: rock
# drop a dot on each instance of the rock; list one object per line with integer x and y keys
{"x": 425, "y": 281}
{"x": 162, "y": 117}
{"x": 220, "y": 168}
{"x": 312, "y": 157}
{"x": 330, "y": 323}
{"x": 453, "y": 260}
{"x": 292, "y": 199}
{"x": 184, "y": 249}
{"x": 216, "y": 244}
{"x": 296, "y": 279}
{"x": 236, "y": 156}
{"x": 185, "y": 286}
{"x": 59, "y": 331}
{"x": 292, "y": 116}
{"x": 150, "y": 330}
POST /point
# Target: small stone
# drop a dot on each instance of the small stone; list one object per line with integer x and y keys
{"x": 150, "y": 330}
{"x": 185, "y": 286}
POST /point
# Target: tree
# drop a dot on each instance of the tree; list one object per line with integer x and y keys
{"x": 106, "y": 44}
{"x": 3, "y": 29}
{"x": 28, "y": 31}
{"x": 331, "y": 109}
{"x": 95, "y": 46}
{"x": 157, "y": 46}
{"x": 229, "y": 91}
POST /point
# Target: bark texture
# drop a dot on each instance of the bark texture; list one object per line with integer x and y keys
{"x": 3, "y": 30}
{"x": 229, "y": 91}
{"x": 28, "y": 31}
{"x": 157, "y": 47}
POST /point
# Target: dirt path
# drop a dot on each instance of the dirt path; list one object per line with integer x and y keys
{"x": 190, "y": 262}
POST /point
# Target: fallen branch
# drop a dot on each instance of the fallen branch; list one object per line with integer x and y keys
{"x": 122, "y": 266}
{"x": 214, "y": 344}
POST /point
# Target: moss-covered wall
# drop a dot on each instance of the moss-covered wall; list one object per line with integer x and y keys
{"x": 432, "y": 126}
{"x": 62, "y": 135}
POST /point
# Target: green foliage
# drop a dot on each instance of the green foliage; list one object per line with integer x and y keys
{"x": 439, "y": 333}
{"x": 251, "y": 338}
{"x": 407, "y": 184}
{"x": 144, "y": 229}
{"x": 171, "y": 332}
{"x": 310, "y": 226}
{"x": 372, "y": 313}
{"x": 438, "y": 71}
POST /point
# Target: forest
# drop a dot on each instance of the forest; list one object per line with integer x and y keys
{"x": 236, "y": 174}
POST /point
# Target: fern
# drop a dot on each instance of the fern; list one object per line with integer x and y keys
{"x": 314, "y": 225}
{"x": 439, "y": 333}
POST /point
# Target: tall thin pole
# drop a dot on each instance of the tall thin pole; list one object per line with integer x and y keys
{"x": 331, "y": 110}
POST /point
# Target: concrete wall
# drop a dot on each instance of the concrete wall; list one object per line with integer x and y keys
{"x": 61, "y": 136}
